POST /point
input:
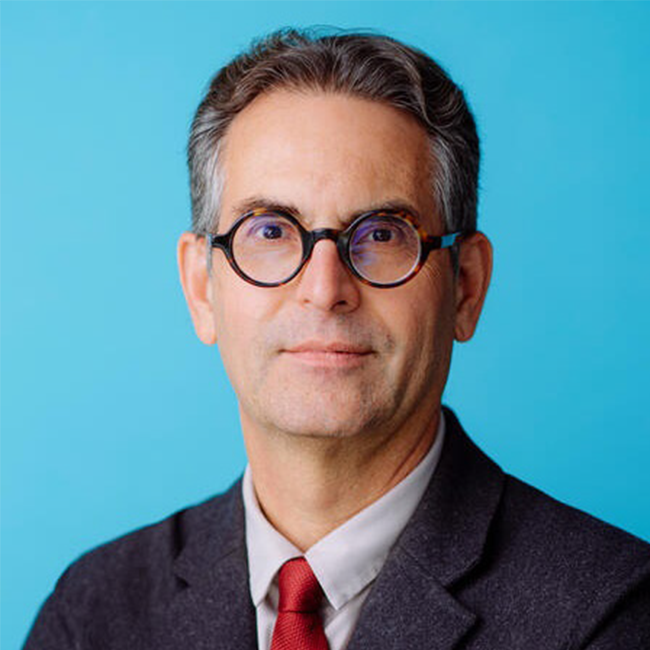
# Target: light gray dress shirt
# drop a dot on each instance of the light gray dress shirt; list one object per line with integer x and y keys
{"x": 346, "y": 561}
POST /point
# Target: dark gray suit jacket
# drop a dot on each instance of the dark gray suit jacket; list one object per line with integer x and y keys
{"x": 486, "y": 563}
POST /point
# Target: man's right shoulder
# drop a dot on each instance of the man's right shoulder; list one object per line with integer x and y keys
{"x": 126, "y": 581}
{"x": 157, "y": 545}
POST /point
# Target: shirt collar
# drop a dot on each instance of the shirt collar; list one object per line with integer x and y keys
{"x": 267, "y": 549}
{"x": 349, "y": 558}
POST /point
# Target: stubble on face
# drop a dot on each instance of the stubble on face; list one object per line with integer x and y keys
{"x": 316, "y": 400}
{"x": 407, "y": 331}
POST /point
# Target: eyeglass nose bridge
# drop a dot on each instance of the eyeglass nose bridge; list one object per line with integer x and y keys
{"x": 324, "y": 233}
{"x": 312, "y": 237}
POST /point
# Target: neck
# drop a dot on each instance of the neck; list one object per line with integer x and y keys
{"x": 307, "y": 487}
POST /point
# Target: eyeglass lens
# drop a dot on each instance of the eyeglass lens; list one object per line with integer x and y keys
{"x": 383, "y": 249}
{"x": 267, "y": 248}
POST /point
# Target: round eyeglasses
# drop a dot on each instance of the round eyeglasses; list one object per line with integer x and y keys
{"x": 268, "y": 248}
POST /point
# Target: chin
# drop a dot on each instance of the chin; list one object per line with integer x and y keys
{"x": 320, "y": 404}
{"x": 328, "y": 414}
{"x": 328, "y": 422}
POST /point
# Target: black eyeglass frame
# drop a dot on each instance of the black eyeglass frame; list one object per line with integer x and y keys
{"x": 341, "y": 238}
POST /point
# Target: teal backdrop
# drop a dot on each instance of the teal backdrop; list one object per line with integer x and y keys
{"x": 114, "y": 415}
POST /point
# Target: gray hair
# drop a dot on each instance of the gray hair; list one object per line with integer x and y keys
{"x": 369, "y": 66}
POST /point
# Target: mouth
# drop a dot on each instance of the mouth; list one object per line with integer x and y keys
{"x": 334, "y": 354}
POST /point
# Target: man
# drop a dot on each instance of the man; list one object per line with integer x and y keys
{"x": 335, "y": 259}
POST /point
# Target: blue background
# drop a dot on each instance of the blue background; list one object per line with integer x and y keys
{"x": 113, "y": 413}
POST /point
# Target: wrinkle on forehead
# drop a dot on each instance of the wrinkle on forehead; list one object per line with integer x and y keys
{"x": 328, "y": 154}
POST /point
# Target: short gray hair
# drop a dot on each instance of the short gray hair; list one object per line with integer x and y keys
{"x": 365, "y": 65}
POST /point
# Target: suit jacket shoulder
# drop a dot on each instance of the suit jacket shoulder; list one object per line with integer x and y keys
{"x": 133, "y": 591}
{"x": 486, "y": 562}
{"x": 568, "y": 572}
{"x": 489, "y": 562}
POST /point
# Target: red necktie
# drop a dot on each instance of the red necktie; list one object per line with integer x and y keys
{"x": 298, "y": 626}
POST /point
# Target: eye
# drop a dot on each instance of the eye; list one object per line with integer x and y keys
{"x": 382, "y": 235}
{"x": 269, "y": 228}
{"x": 271, "y": 231}
{"x": 377, "y": 231}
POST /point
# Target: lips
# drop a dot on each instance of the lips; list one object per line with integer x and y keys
{"x": 330, "y": 354}
{"x": 332, "y": 347}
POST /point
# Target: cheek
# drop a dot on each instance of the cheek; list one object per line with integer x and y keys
{"x": 236, "y": 303}
{"x": 240, "y": 311}
{"x": 426, "y": 323}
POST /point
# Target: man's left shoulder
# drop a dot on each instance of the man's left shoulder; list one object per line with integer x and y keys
{"x": 570, "y": 539}
{"x": 564, "y": 559}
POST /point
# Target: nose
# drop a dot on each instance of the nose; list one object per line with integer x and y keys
{"x": 326, "y": 283}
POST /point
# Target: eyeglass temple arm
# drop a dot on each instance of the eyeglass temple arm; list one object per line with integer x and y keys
{"x": 445, "y": 241}
{"x": 217, "y": 241}
{"x": 212, "y": 242}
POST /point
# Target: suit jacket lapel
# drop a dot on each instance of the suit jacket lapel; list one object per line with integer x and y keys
{"x": 411, "y": 604}
{"x": 213, "y": 609}
{"x": 409, "y": 609}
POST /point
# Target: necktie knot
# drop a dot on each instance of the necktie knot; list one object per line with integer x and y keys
{"x": 298, "y": 626}
{"x": 300, "y": 590}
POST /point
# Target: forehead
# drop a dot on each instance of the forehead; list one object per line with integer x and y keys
{"x": 327, "y": 154}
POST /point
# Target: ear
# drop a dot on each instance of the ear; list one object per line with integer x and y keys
{"x": 197, "y": 285}
{"x": 474, "y": 273}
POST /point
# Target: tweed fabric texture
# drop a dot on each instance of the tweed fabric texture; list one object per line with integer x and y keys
{"x": 299, "y": 626}
{"x": 486, "y": 562}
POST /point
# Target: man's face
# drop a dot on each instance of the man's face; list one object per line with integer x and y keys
{"x": 326, "y": 355}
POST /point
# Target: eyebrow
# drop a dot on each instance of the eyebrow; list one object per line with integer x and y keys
{"x": 256, "y": 202}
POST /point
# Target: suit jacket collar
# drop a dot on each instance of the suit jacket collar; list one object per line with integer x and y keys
{"x": 410, "y": 604}
{"x": 213, "y": 608}
{"x": 448, "y": 531}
